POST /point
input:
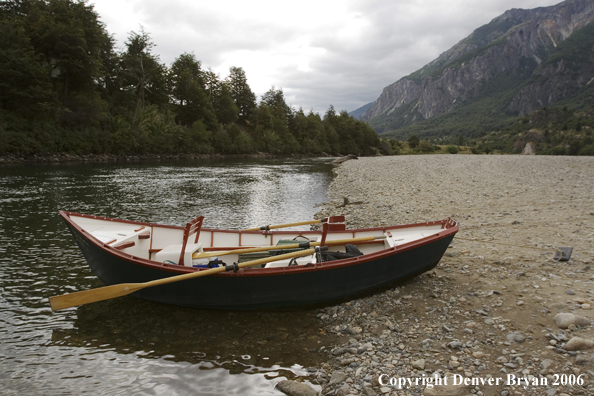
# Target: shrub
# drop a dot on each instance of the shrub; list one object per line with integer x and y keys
{"x": 452, "y": 149}
{"x": 426, "y": 146}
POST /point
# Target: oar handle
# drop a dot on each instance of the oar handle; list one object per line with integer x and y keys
{"x": 272, "y": 227}
{"x": 331, "y": 219}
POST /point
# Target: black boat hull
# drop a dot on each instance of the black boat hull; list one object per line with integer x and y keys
{"x": 289, "y": 287}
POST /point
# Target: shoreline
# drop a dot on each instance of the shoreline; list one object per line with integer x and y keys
{"x": 490, "y": 308}
{"x": 64, "y": 158}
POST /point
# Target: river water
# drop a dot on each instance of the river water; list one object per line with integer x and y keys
{"x": 129, "y": 346}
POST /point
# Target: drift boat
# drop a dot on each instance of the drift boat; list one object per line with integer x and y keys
{"x": 321, "y": 266}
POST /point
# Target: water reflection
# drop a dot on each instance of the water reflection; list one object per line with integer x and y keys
{"x": 125, "y": 345}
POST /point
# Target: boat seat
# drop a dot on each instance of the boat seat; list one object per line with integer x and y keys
{"x": 172, "y": 253}
{"x": 182, "y": 254}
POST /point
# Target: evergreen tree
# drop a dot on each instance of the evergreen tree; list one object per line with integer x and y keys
{"x": 191, "y": 100}
{"x": 25, "y": 85}
{"x": 72, "y": 43}
{"x": 242, "y": 94}
{"x": 224, "y": 105}
{"x": 142, "y": 78}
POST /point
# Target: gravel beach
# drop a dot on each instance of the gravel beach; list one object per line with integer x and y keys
{"x": 498, "y": 316}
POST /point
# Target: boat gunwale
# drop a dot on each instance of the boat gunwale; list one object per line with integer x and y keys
{"x": 449, "y": 227}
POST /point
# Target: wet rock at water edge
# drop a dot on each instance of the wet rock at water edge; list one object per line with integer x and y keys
{"x": 294, "y": 388}
{"x": 337, "y": 378}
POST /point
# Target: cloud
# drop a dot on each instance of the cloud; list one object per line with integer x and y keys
{"x": 319, "y": 52}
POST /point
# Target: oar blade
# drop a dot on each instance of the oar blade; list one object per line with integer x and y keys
{"x": 89, "y": 296}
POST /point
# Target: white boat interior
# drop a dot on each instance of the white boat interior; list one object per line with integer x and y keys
{"x": 184, "y": 245}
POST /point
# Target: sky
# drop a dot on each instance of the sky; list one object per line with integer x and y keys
{"x": 319, "y": 52}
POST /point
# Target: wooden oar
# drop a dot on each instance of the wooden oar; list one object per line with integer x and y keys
{"x": 122, "y": 289}
{"x": 331, "y": 219}
{"x": 302, "y": 245}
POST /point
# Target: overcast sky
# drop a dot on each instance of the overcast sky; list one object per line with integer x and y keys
{"x": 320, "y": 52}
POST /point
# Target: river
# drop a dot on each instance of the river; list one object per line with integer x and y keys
{"x": 128, "y": 346}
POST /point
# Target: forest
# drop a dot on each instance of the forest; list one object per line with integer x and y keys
{"x": 64, "y": 88}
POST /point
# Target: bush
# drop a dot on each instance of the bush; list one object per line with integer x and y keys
{"x": 452, "y": 149}
{"x": 426, "y": 146}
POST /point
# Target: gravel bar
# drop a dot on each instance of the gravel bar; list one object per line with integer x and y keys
{"x": 498, "y": 316}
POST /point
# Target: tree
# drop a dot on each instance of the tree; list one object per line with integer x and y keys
{"x": 25, "y": 86}
{"x": 413, "y": 141}
{"x": 73, "y": 44}
{"x": 244, "y": 98}
{"x": 142, "y": 77}
{"x": 224, "y": 105}
{"x": 190, "y": 100}
{"x": 58, "y": 44}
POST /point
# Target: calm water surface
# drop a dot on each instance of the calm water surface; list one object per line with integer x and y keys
{"x": 129, "y": 346}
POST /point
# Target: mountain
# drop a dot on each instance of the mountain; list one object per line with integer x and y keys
{"x": 361, "y": 111}
{"x": 521, "y": 61}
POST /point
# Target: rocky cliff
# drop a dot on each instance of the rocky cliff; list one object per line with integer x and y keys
{"x": 519, "y": 62}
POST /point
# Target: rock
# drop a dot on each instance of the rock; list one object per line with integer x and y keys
{"x": 368, "y": 391}
{"x": 516, "y": 336}
{"x": 564, "y": 320}
{"x": 455, "y": 345}
{"x": 339, "y": 351}
{"x": 578, "y": 344}
{"x": 545, "y": 364}
{"x": 337, "y": 377}
{"x": 583, "y": 360}
{"x": 419, "y": 364}
{"x": 294, "y": 388}
{"x": 343, "y": 390}
{"x": 446, "y": 390}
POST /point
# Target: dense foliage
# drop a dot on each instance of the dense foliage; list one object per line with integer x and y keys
{"x": 555, "y": 131}
{"x": 64, "y": 88}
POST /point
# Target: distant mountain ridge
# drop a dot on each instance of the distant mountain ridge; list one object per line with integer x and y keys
{"x": 521, "y": 61}
{"x": 361, "y": 110}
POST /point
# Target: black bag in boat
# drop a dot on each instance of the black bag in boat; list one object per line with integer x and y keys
{"x": 351, "y": 251}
